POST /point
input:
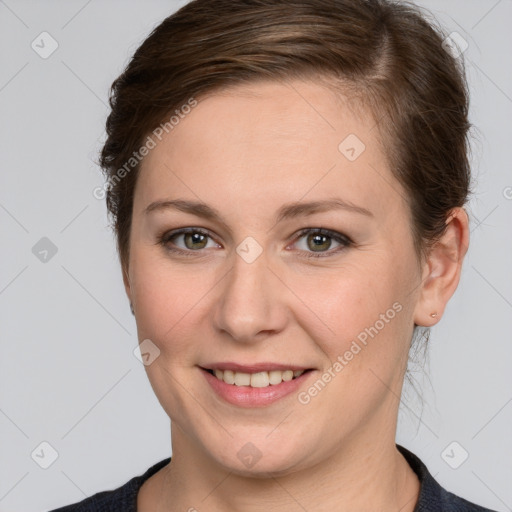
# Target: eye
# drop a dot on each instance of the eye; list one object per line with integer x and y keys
{"x": 193, "y": 240}
{"x": 320, "y": 240}
{"x": 313, "y": 242}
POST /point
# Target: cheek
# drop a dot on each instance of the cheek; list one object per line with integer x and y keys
{"x": 367, "y": 340}
{"x": 168, "y": 299}
{"x": 356, "y": 302}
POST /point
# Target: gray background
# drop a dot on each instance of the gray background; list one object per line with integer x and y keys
{"x": 68, "y": 375}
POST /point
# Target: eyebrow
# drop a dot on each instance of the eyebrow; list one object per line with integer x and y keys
{"x": 286, "y": 212}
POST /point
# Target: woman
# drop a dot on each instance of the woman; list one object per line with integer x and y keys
{"x": 287, "y": 182}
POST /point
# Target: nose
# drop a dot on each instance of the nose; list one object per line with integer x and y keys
{"x": 250, "y": 305}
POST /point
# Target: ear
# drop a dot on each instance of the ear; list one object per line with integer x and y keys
{"x": 441, "y": 271}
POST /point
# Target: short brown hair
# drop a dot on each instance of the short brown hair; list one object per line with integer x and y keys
{"x": 385, "y": 52}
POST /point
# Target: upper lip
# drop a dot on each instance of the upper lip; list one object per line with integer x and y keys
{"x": 253, "y": 368}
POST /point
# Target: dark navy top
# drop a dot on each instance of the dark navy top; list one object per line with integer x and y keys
{"x": 432, "y": 497}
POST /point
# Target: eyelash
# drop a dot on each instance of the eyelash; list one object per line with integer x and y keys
{"x": 345, "y": 241}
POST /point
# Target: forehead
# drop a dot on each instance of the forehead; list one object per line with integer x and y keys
{"x": 280, "y": 141}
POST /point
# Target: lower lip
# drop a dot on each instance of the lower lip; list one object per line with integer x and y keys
{"x": 246, "y": 396}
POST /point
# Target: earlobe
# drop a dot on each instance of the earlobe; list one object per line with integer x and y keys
{"x": 442, "y": 269}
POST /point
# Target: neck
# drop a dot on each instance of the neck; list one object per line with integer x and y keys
{"x": 381, "y": 479}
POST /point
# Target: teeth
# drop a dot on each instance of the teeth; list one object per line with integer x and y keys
{"x": 257, "y": 380}
{"x": 275, "y": 377}
{"x": 242, "y": 379}
{"x": 227, "y": 376}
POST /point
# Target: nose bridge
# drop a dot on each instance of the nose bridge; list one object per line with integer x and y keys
{"x": 247, "y": 305}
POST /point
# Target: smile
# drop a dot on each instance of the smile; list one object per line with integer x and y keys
{"x": 256, "y": 388}
{"x": 258, "y": 379}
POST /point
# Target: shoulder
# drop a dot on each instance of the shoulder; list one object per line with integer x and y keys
{"x": 433, "y": 497}
{"x": 453, "y": 503}
{"x": 124, "y": 498}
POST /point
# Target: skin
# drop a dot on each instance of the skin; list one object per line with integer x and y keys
{"x": 246, "y": 152}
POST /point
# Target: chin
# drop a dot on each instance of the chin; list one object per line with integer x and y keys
{"x": 258, "y": 458}
{"x": 273, "y": 467}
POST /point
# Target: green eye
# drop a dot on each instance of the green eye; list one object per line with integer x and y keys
{"x": 313, "y": 242}
{"x": 320, "y": 240}
{"x": 193, "y": 240}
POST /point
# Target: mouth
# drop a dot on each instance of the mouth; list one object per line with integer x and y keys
{"x": 259, "y": 379}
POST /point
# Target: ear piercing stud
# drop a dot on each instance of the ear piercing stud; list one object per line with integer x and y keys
{"x": 131, "y": 309}
{"x": 433, "y": 315}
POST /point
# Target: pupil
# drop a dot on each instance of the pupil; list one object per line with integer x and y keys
{"x": 197, "y": 238}
{"x": 320, "y": 241}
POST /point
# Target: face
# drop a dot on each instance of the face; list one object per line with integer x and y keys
{"x": 298, "y": 254}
